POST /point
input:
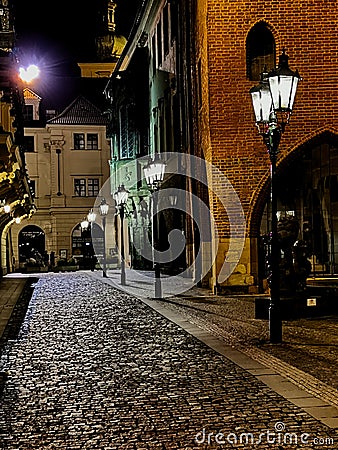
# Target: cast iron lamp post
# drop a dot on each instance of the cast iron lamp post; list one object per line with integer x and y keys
{"x": 104, "y": 208}
{"x": 154, "y": 174}
{"x": 272, "y": 102}
{"x": 121, "y": 197}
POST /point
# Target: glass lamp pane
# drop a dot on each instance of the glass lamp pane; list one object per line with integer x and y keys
{"x": 121, "y": 196}
{"x": 104, "y": 207}
{"x": 261, "y": 102}
{"x": 274, "y": 89}
{"x": 91, "y": 216}
{"x": 84, "y": 224}
{"x": 285, "y": 86}
{"x": 293, "y": 91}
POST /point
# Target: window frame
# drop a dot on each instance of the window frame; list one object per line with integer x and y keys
{"x": 89, "y": 187}
{"x": 79, "y": 141}
{"x": 81, "y": 183}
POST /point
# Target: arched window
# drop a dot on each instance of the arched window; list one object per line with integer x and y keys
{"x": 260, "y": 51}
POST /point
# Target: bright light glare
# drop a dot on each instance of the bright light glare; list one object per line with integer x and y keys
{"x": 30, "y": 73}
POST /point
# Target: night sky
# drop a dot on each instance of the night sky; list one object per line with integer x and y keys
{"x": 55, "y": 37}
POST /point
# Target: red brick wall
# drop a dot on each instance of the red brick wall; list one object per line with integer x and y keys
{"x": 309, "y": 32}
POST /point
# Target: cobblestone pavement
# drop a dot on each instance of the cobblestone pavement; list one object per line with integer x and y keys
{"x": 95, "y": 368}
{"x": 308, "y": 344}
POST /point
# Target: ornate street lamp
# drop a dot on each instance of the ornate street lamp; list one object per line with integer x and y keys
{"x": 86, "y": 225}
{"x": 104, "y": 208}
{"x": 121, "y": 197}
{"x": 272, "y": 102}
{"x": 154, "y": 174}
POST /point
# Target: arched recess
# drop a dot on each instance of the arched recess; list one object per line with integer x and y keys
{"x": 260, "y": 50}
{"x": 307, "y": 188}
{"x": 32, "y": 241}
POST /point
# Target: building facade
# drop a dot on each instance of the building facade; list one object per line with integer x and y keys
{"x": 68, "y": 155}
{"x": 202, "y": 59}
{"x": 67, "y": 160}
{"x": 234, "y": 43}
{"x": 16, "y": 200}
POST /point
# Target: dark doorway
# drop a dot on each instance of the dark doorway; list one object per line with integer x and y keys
{"x": 308, "y": 191}
{"x": 31, "y": 244}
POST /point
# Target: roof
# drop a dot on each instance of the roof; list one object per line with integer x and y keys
{"x": 80, "y": 112}
{"x": 29, "y": 94}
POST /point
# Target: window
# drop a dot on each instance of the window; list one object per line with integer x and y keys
{"x": 86, "y": 142}
{"x": 260, "y": 51}
{"x": 86, "y": 187}
{"x": 92, "y": 142}
{"x": 79, "y": 141}
{"x": 29, "y": 144}
{"x": 153, "y": 49}
{"x": 166, "y": 29}
{"x": 28, "y": 113}
{"x": 93, "y": 187}
{"x": 159, "y": 43}
{"x": 128, "y": 134}
{"x": 50, "y": 113}
{"x": 32, "y": 187}
{"x": 80, "y": 187}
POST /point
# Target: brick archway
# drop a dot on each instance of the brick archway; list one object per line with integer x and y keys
{"x": 306, "y": 178}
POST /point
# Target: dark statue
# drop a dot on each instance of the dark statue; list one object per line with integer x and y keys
{"x": 294, "y": 264}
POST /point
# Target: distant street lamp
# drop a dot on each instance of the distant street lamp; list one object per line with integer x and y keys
{"x": 154, "y": 174}
{"x": 121, "y": 197}
{"x": 31, "y": 73}
{"x": 104, "y": 208}
{"x": 91, "y": 216}
{"x": 272, "y": 102}
{"x": 84, "y": 224}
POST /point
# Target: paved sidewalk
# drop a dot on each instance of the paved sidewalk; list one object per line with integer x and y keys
{"x": 10, "y": 290}
{"x": 96, "y": 368}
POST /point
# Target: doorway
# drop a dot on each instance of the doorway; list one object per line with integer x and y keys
{"x": 31, "y": 245}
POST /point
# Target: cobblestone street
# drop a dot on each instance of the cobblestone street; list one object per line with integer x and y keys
{"x": 95, "y": 368}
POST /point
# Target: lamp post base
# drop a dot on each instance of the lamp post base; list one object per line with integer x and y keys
{"x": 158, "y": 285}
{"x": 275, "y": 324}
{"x": 123, "y": 274}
